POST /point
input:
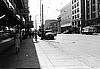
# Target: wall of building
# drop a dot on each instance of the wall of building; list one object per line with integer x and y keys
{"x": 66, "y": 17}
{"x": 92, "y": 12}
{"x": 78, "y": 15}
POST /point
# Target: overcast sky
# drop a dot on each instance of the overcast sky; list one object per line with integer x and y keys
{"x": 50, "y": 7}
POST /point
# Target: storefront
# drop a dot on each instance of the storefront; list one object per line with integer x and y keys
{"x": 76, "y": 26}
{"x": 90, "y": 22}
{"x": 66, "y": 27}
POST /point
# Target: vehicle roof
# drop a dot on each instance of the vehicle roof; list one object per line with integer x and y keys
{"x": 48, "y": 30}
{"x": 88, "y": 27}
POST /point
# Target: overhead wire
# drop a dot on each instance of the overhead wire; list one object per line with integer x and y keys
{"x": 48, "y": 8}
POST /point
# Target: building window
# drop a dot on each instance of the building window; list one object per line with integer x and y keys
{"x": 77, "y": 4}
{"x": 88, "y": 16}
{"x": 88, "y": 10}
{"x": 73, "y": 17}
{"x": 94, "y": 8}
{"x": 94, "y": 15}
{"x": 72, "y": 12}
{"x": 99, "y": 6}
{"x": 75, "y": 0}
{"x": 72, "y": 1}
{"x": 72, "y": 7}
{"x": 88, "y": 3}
{"x": 99, "y": 13}
{"x": 77, "y": 15}
{"x": 93, "y": 1}
{"x": 77, "y": 9}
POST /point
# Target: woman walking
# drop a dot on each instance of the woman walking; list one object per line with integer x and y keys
{"x": 17, "y": 41}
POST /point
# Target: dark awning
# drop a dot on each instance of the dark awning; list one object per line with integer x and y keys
{"x": 2, "y": 8}
{"x": 10, "y": 19}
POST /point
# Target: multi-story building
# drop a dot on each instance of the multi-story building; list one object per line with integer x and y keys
{"x": 92, "y": 16}
{"x": 66, "y": 17}
{"x": 78, "y": 15}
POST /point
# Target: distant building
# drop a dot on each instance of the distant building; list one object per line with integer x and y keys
{"x": 92, "y": 16}
{"x": 66, "y": 17}
{"x": 51, "y": 24}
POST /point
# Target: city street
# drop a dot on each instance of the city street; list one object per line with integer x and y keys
{"x": 75, "y": 22}
{"x": 69, "y": 51}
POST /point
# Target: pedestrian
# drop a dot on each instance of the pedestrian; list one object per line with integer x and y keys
{"x": 17, "y": 41}
{"x": 30, "y": 33}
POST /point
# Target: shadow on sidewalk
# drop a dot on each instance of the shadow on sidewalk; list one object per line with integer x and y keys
{"x": 26, "y": 58}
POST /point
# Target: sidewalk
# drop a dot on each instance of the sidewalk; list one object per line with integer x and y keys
{"x": 52, "y": 58}
{"x": 26, "y": 58}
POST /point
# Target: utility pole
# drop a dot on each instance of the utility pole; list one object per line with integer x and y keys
{"x": 35, "y": 28}
{"x": 40, "y": 11}
{"x": 42, "y": 31}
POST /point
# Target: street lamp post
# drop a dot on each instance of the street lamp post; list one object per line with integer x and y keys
{"x": 40, "y": 11}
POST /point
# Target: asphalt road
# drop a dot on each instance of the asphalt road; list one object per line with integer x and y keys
{"x": 71, "y": 51}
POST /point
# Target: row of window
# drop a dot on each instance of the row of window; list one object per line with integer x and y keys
{"x": 75, "y": 5}
{"x": 73, "y": 1}
{"x": 76, "y": 16}
{"x": 75, "y": 11}
{"x": 93, "y": 15}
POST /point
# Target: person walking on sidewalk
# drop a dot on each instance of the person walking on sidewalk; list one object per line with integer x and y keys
{"x": 17, "y": 41}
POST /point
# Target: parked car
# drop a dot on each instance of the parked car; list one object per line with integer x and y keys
{"x": 55, "y": 33}
{"x": 89, "y": 30}
{"x": 49, "y": 34}
{"x": 67, "y": 32}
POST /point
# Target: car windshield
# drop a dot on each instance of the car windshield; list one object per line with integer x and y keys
{"x": 46, "y": 31}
